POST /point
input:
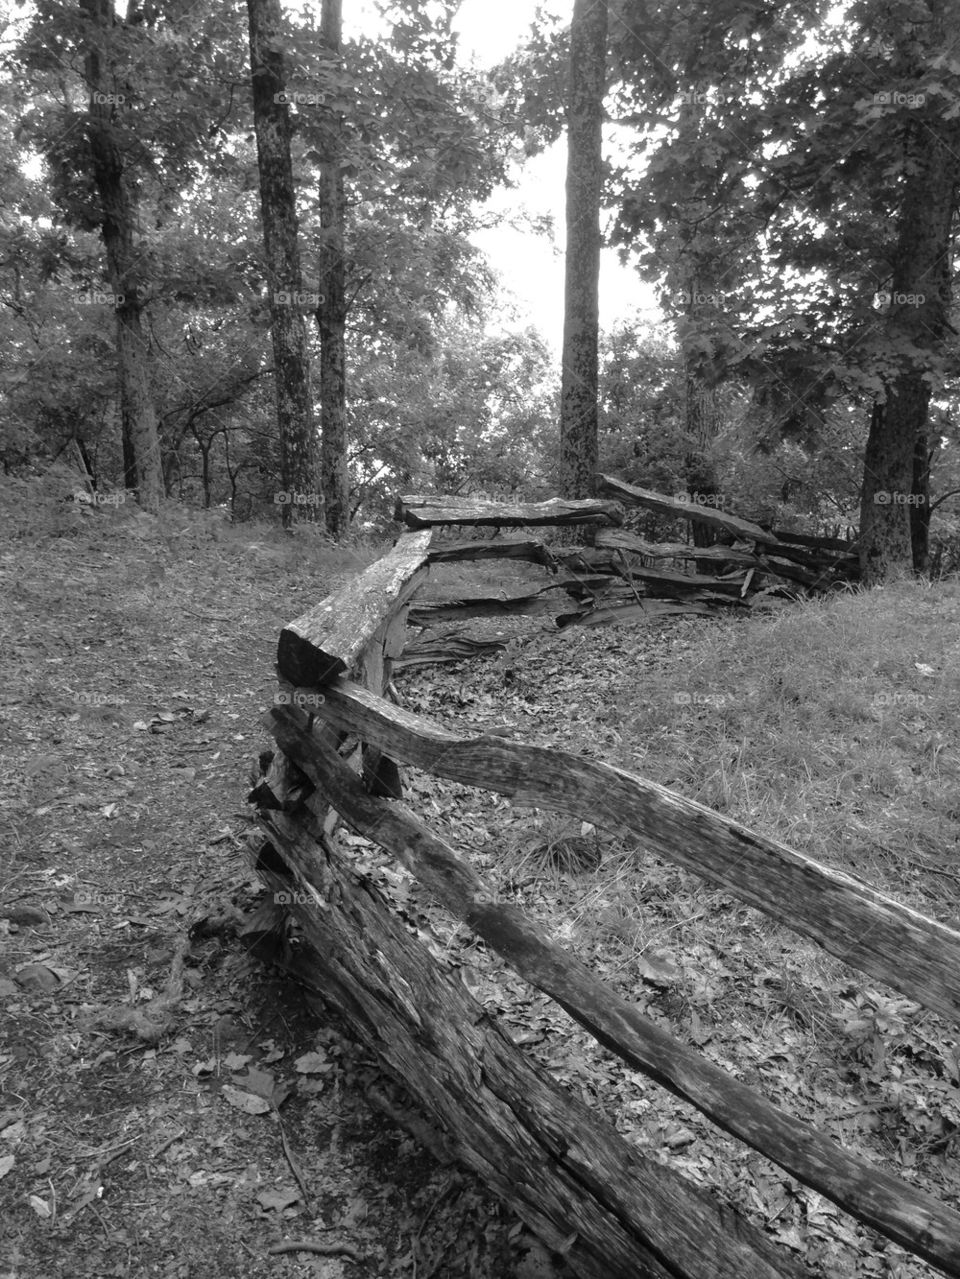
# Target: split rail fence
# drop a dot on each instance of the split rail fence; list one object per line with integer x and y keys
{"x": 586, "y": 1191}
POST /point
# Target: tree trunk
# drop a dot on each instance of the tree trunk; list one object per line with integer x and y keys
{"x": 578, "y": 402}
{"x": 923, "y": 455}
{"x": 129, "y": 457}
{"x": 697, "y": 270}
{"x": 298, "y": 454}
{"x": 138, "y": 418}
{"x": 701, "y": 480}
{"x": 918, "y": 318}
{"x": 332, "y": 308}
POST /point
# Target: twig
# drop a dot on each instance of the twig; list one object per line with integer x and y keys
{"x": 932, "y": 870}
{"x": 628, "y": 577}
{"x": 106, "y": 1153}
{"x": 869, "y": 1108}
{"x": 110, "y": 1153}
{"x": 292, "y": 1162}
{"x": 155, "y": 1154}
{"x": 321, "y": 1249}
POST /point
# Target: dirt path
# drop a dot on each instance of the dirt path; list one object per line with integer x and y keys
{"x": 139, "y": 661}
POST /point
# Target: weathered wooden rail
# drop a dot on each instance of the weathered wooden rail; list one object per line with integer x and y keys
{"x": 566, "y": 1172}
{"x": 613, "y": 581}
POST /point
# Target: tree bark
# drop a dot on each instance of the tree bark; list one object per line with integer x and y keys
{"x": 418, "y": 510}
{"x": 923, "y": 455}
{"x": 138, "y": 417}
{"x": 579, "y": 382}
{"x": 920, "y": 300}
{"x": 300, "y": 498}
{"x": 332, "y": 637}
{"x": 700, "y": 475}
{"x": 332, "y": 308}
{"x": 696, "y": 269}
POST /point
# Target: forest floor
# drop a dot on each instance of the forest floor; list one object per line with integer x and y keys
{"x": 140, "y": 662}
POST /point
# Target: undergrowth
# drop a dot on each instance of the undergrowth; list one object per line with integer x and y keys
{"x": 834, "y": 726}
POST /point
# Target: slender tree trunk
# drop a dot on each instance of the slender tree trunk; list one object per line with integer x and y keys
{"x": 918, "y": 318}
{"x": 86, "y": 461}
{"x": 298, "y": 453}
{"x": 332, "y": 309}
{"x": 129, "y": 456}
{"x": 207, "y": 479}
{"x": 579, "y": 382}
{"x": 697, "y": 270}
{"x": 923, "y": 455}
{"x": 138, "y": 419}
{"x": 702, "y": 417}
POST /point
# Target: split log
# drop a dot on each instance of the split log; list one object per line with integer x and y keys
{"x": 495, "y": 548}
{"x": 419, "y": 511}
{"x": 587, "y": 559}
{"x": 617, "y": 593}
{"x": 336, "y": 634}
{"x": 446, "y": 648}
{"x": 591, "y": 584}
{"x": 916, "y": 955}
{"x": 656, "y": 578}
{"x": 779, "y": 567}
{"x": 817, "y": 560}
{"x": 814, "y": 571}
{"x": 631, "y": 614}
{"x": 618, "y": 540}
{"x": 281, "y": 785}
{"x": 909, "y": 1216}
{"x": 429, "y": 612}
{"x": 615, "y": 1213}
{"x": 665, "y": 505}
{"x": 817, "y": 543}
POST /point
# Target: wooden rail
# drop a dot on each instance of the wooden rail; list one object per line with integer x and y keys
{"x": 907, "y": 1215}
{"x": 568, "y": 1174}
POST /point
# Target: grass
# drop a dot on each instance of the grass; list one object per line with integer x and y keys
{"x": 833, "y": 726}
{"x": 830, "y": 725}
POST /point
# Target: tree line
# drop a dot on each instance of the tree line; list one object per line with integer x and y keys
{"x": 237, "y": 262}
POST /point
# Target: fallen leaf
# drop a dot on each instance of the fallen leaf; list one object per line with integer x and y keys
{"x": 280, "y": 1199}
{"x": 245, "y": 1101}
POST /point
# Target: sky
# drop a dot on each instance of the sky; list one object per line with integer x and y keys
{"x": 531, "y": 267}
